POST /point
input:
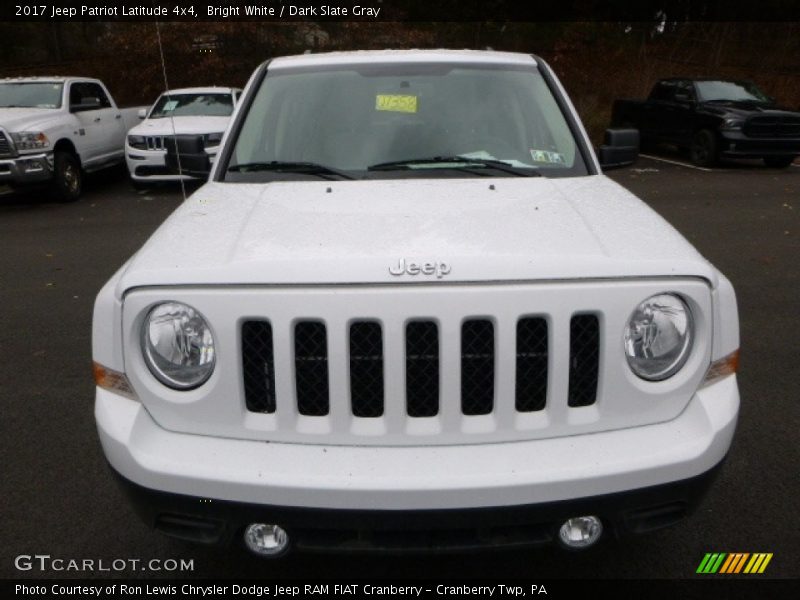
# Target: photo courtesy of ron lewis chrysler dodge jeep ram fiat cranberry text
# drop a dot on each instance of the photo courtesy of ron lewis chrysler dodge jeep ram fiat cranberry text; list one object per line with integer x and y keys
{"x": 409, "y": 312}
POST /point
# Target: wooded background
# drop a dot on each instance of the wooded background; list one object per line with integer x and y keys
{"x": 596, "y": 61}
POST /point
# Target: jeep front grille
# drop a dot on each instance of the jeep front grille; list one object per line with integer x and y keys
{"x": 366, "y": 375}
{"x": 158, "y": 142}
{"x": 409, "y": 365}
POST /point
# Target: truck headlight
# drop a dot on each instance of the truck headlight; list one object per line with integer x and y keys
{"x": 178, "y": 345}
{"x": 658, "y": 337}
{"x": 137, "y": 141}
{"x": 30, "y": 140}
{"x": 732, "y": 124}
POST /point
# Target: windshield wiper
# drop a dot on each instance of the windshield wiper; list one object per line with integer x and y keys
{"x": 282, "y": 166}
{"x": 498, "y": 165}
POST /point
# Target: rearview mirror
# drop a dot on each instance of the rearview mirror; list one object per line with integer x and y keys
{"x": 620, "y": 148}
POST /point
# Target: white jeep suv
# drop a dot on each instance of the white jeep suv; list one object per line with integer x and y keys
{"x": 408, "y": 311}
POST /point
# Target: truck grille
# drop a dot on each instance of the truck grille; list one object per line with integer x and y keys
{"x": 422, "y": 366}
{"x": 5, "y": 145}
{"x": 773, "y": 127}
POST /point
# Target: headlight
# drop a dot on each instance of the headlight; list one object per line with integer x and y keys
{"x": 178, "y": 346}
{"x": 137, "y": 141}
{"x": 658, "y": 337}
{"x": 30, "y": 140}
{"x": 732, "y": 124}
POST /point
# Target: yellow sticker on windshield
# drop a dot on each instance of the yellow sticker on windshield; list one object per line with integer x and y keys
{"x": 394, "y": 103}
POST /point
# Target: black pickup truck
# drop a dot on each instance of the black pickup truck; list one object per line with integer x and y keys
{"x": 713, "y": 118}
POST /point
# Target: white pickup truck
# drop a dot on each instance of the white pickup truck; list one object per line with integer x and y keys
{"x": 55, "y": 129}
{"x": 408, "y": 311}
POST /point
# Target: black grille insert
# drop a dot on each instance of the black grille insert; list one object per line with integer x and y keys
{"x": 258, "y": 366}
{"x": 422, "y": 369}
{"x": 477, "y": 367}
{"x": 311, "y": 368}
{"x": 531, "y": 376}
{"x": 366, "y": 369}
{"x": 584, "y": 359}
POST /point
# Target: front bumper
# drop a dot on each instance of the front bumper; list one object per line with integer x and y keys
{"x": 150, "y": 166}
{"x": 209, "y": 521}
{"x": 511, "y": 476}
{"x": 735, "y": 144}
{"x": 26, "y": 169}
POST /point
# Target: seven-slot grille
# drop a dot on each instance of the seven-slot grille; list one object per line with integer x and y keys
{"x": 423, "y": 364}
{"x": 157, "y": 142}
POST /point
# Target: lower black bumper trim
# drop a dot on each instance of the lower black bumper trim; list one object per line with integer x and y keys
{"x": 214, "y": 521}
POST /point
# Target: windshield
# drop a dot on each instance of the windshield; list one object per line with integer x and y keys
{"x": 379, "y": 121}
{"x": 733, "y": 91}
{"x": 30, "y": 94}
{"x": 192, "y": 105}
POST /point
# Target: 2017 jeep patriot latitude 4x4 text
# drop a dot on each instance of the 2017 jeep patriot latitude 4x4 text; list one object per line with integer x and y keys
{"x": 409, "y": 311}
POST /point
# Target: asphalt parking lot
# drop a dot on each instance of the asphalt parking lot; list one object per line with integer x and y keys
{"x": 59, "y": 498}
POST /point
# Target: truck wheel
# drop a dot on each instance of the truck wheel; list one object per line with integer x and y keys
{"x": 67, "y": 177}
{"x": 703, "y": 151}
{"x": 778, "y": 162}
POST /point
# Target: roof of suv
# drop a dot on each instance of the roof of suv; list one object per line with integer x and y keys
{"x": 403, "y": 56}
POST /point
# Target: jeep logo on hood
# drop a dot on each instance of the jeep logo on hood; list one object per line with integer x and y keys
{"x": 438, "y": 268}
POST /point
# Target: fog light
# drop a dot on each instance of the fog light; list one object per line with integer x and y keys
{"x": 266, "y": 540}
{"x": 32, "y": 166}
{"x": 580, "y": 532}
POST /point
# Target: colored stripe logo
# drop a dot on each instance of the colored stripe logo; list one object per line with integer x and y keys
{"x": 734, "y": 563}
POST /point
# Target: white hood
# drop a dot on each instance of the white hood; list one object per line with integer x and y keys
{"x": 182, "y": 125}
{"x": 354, "y": 231}
{"x": 27, "y": 119}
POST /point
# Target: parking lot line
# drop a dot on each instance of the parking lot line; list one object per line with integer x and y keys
{"x": 674, "y": 162}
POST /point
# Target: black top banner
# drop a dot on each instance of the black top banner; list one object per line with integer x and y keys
{"x": 400, "y": 10}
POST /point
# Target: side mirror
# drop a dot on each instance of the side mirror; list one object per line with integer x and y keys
{"x": 683, "y": 97}
{"x": 620, "y": 148}
{"x": 86, "y": 103}
{"x": 142, "y": 113}
{"x": 193, "y": 161}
